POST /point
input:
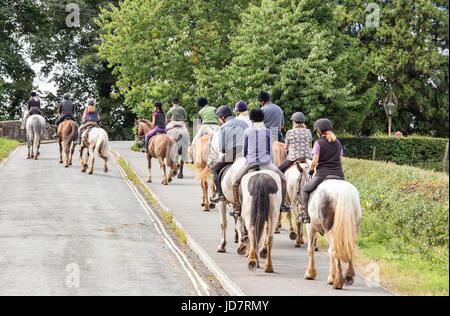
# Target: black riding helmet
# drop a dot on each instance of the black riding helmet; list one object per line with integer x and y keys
{"x": 91, "y": 102}
{"x": 67, "y": 96}
{"x": 323, "y": 124}
{"x": 298, "y": 117}
{"x": 224, "y": 111}
{"x": 257, "y": 115}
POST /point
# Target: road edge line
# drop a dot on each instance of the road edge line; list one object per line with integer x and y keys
{"x": 230, "y": 287}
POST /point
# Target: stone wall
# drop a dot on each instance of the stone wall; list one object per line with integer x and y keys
{"x": 11, "y": 130}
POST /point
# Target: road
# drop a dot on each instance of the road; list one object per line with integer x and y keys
{"x": 183, "y": 197}
{"x": 63, "y": 232}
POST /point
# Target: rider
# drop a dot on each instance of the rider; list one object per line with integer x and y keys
{"x": 231, "y": 139}
{"x": 159, "y": 123}
{"x": 90, "y": 118}
{"x": 177, "y": 115}
{"x": 242, "y": 110}
{"x": 298, "y": 142}
{"x": 327, "y": 161}
{"x": 65, "y": 111}
{"x": 273, "y": 115}
{"x": 34, "y": 108}
{"x": 257, "y": 149}
{"x": 206, "y": 120}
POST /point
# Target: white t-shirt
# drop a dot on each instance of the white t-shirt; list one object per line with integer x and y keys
{"x": 246, "y": 119}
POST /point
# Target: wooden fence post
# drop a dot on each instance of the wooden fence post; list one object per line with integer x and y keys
{"x": 374, "y": 153}
{"x": 445, "y": 158}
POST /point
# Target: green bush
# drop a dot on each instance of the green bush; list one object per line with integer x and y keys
{"x": 423, "y": 152}
{"x": 405, "y": 210}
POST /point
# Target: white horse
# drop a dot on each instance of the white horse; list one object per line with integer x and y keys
{"x": 335, "y": 211}
{"x": 261, "y": 202}
{"x": 97, "y": 143}
{"x": 183, "y": 140}
{"x": 35, "y": 126}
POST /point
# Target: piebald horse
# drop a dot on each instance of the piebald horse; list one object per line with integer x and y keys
{"x": 335, "y": 211}
{"x": 162, "y": 147}
{"x": 96, "y": 141}
{"x": 201, "y": 155}
{"x": 261, "y": 202}
{"x": 35, "y": 127}
{"x": 67, "y": 135}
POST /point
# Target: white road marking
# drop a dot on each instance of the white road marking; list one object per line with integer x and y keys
{"x": 192, "y": 274}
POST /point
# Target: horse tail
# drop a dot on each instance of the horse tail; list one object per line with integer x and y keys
{"x": 203, "y": 173}
{"x": 345, "y": 229}
{"x": 260, "y": 187}
{"x": 102, "y": 148}
{"x": 171, "y": 156}
{"x": 36, "y": 131}
{"x": 74, "y": 134}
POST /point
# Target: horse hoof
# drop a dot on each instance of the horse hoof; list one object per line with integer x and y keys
{"x": 149, "y": 180}
{"x": 66, "y": 166}
{"x": 35, "y": 158}
{"x": 298, "y": 245}
{"x": 277, "y": 231}
{"x": 170, "y": 180}
{"x": 105, "y": 170}
{"x": 293, "y": 235}
{"x": 263, "y": 253}
{"x": 338, "y": 283}
{"x": 242, "y": 250}
{"x": 252, "y": 265}
{"x": 349, "y": 280}
{"x": 212, "y": 205}
{"x": 268, "y": 269}
{"x": 28, "y": 157}
{"x": 221, "y": 249}
{"x": 32, "y": 156}
{"x": 205, "y": 210}
{"x": 60, "y": 161}
{"x": 180, "y": 176}
{"x": 203, "y": 204}
{"x": 70, "y": 163}
{"x": 310, "y": 275}
{"x": 90, "y": 172}
{"x": 316, "y": 249}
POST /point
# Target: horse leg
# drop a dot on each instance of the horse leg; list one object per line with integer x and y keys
{"x": 80, "y": 157}
{"x": 105, "y": 165}
{"x": 339, "y": 279}
{"x": 332, "y": 274}
{"x": 253, "y": 256}
{"x": 277, "y": 229}
{"x": 349, "y": 274}
{"x": 60, "y": 150}
{"x": 28, "y": 145}
{"x": 242, "y": 236}
{"x": 71, "y": 153}
{"x": 205, "y": 203}
{"x": 67, "y": 151}
{"x": 223, "y": 225}
{"x": 149, "y": 167}
{"x": 268, "y": 268}
{"x": 299, "y": 241}
{"x": 213, "y": 194}
{"x": 236, "y": 229}
{"x": 292, "y": 233}
{"x": 263, "y": 252}
{"x": 180, "y": 170}
{"x": 163, "y": 167}
{"x": 91, "y": 152}
{"x": 311, "y": 273}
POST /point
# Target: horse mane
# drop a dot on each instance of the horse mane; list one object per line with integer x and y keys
{"x": 147, "y": 122}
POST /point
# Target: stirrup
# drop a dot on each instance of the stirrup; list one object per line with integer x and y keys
{"x": 284, "y": 208}
{"x": 303, "y": 218}
{"x": 234, "y": 213}
{"x": 218, "y": 198}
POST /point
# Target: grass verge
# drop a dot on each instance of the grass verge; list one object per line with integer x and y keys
{"x": 166, "y": 216}
{"x": 404, "y": 229}
{"x": 6, "y": 147}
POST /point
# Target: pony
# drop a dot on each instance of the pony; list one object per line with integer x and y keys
{"x": 162, "y": 147}
{"x": 182, "y": 139}
{"x": 96, "y": 141}
{"x": 35, "y": 125}
{"x": 67, "y": 136}
{"x": 335, "y": 211}
{"x": 203, "y": 161}
{"x": 261, "y": 202}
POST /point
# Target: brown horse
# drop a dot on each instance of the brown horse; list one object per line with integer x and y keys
{"x": 67, "y": 135}
{"x": 162, "y": 147}
{"x": 200, "y": 154}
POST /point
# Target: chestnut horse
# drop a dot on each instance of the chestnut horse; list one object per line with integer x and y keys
{"x": 162, "y": 147}
{"x": 202, "y": 160}
{"x": 67, "y": 135}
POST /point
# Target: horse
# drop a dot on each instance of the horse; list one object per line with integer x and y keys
{"x": 162, "y": 147}
{"x": 261, "y": 202}
{"x": 335, "y": 211}
{"x": 280, "y": 155}
{"x": 35, "y": 127}
{"x": 203, "y": 161}
{"x": 67, "y": 136}
{"x": 96, "y": 141}
{"x": 182, "y": 139}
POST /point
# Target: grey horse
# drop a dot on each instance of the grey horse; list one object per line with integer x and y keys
{"x": 35, "y": 125}
{"x": 182, "y": 138}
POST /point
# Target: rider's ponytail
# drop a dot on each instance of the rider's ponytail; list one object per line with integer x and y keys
{"x": 331, "y": 138}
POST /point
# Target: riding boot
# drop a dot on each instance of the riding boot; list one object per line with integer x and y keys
{"x": 145, "y": 149}
{"x": 219, "y": 194}
{"x": 80, "y": 133}
{"x": 237, "y": 201}
{"x": 284, "y": 207}
{"x": 303, "y": 217}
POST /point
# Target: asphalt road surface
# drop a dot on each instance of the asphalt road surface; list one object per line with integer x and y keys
{"x": 63, "y": 232}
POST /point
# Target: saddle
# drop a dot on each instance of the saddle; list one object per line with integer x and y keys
{"x": 224, "y": 171}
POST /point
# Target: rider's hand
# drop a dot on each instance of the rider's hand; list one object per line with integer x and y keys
{"x": 311, "y": 172}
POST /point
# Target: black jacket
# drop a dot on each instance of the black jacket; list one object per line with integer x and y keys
{"x": 66, "y": 107}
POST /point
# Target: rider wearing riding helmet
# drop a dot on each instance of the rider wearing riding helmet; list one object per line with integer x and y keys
{"x": 327, "y": 161}
{"x": 231, "y": 139}
{"x": 90, "y": 118}
{"x": 241, "y": 109}
{"x": 65, "y": 111}
{"x": 34, "y": 108}
{"x": 207, "y": 123}
{"x": 159, "y": 123}
{"x": 257, "y": 150}
{"x": 298, "y": 142}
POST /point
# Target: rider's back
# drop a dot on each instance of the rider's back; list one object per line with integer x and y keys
{"x": 66, "y": 108}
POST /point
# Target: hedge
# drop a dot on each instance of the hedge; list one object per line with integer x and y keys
{"x": 423, "y": 152}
